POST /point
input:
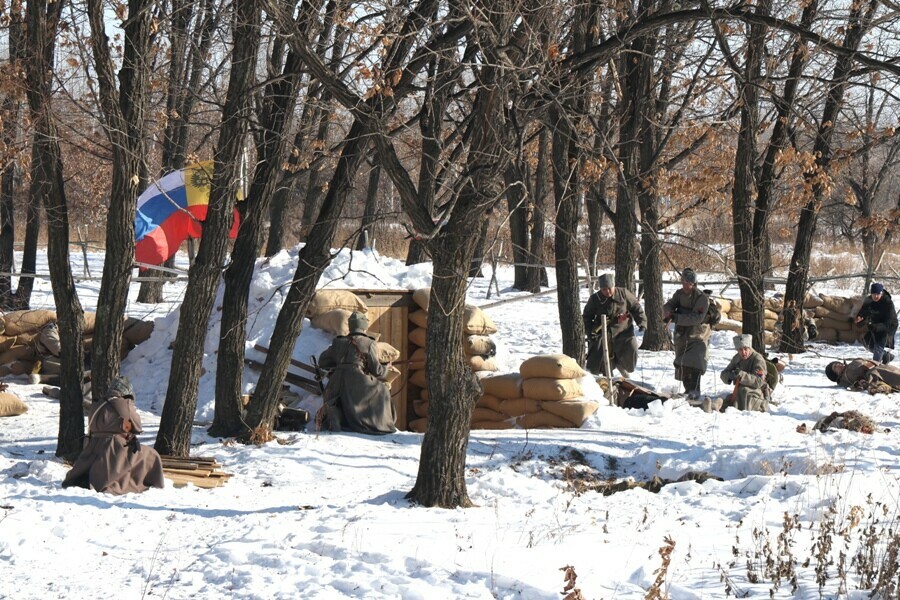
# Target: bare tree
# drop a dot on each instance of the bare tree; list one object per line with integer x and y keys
{"x": 47, "y": 189}
{"x": 124, "y": 119}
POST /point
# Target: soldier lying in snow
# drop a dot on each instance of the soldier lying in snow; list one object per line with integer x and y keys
{"x": 862, "y": 374}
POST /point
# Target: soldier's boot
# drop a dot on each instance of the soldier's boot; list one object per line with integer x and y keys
{"x": 887, "y": 358}
{"x": 691, "y": 381}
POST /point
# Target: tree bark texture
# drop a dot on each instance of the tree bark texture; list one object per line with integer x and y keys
{"x": 275, "y": 121}
{"x": 47, "y": 188}
{"x": 370, "y": 211}
{"x": 181, "y": 396}
{"x": 124, "y": 118}
{"x": 858, "y": 23}
{"x": 11, "y": 125}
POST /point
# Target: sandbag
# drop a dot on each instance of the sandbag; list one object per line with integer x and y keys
{"x": 491, "y": 402}
{"x": 421, "y": 297}
{"x": 573, "y": 411}
{"x": 23, "y": 321}
{"x": 552, "y": 366}
{"x": 843, "y": 325}
{"x": 729, "y": 325}
{"x": 492, "y": 425}
{"x": 48, "y": 340}
{"x": 417, "y": 359}
{"x": 769, "y": 324}
{"x": 423, "y": 394}
{"x": 545, "y": 388}
{"x": 837, "y": 304}
{"x": 418, "y": 425}
{"x": 725, "y": 305}
{"x": 419, "y": 318}
{"x": 386, "y": 353}
{"x": 90, "y": 322}
{"x": 508, "y": 385}
{"x": 420, "y": 407}
{"x": 334, "y": 321}
{"x": 50, "y": 365}
{"x": 543, "y": 420}
{"x": 775, "y": 305}
{"x": 417, "y": 336}
{"x": 6, "y": 342}
{"x": 476, "y": 322}
{"x": 826, "y": 334}
{"x": 136, "y": 331}
{"x": 479, "y": 344}
{"x": 848, "y": 337}
{"x": 823, "y": 313}
{"x": 481, "y": 363}
{"x": 326, "y": 300}
{"x": 812, "y": 300}
{"x": 516, "y": 407}
{"x": 770, "y": 315}
{"x": 417, "y": 378}
{"x": 11, "y": 405}
{"x": 18, "y": 353}
{"x": 486, "y": 414}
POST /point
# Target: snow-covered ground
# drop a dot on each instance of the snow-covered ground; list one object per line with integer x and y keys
{"x": 324, "y": 516}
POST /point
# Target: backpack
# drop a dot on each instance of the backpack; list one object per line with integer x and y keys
{"x": 714, "y": 313}
{"x": 772, "y": 374}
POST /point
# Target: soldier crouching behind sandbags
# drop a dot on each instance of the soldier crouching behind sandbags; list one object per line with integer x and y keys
{"x": 623, "y": 312}
{"x": 747, "y": 372}
{"x": 113, "y": 460}
{"x": 355, "y": 399}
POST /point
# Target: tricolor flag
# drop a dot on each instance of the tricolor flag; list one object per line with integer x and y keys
{"x": 171, "y": 210}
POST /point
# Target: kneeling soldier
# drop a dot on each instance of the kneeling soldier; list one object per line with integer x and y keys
{"x": 747, "y": 371}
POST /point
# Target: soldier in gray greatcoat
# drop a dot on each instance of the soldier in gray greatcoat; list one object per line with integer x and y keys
{"x": 623, "y": 312}
{"x": 355, "y": 399}
{"x": 687, "y": 308}
{"x": 747, "y": 372}
{"x": 865, "y": 374}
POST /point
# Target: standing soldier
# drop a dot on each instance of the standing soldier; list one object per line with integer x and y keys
{"x": 880, "y": 317}
{"x": 688, "y": 307}
{"x": 622, "y": 311}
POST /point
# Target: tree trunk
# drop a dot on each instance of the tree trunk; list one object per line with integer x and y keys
{"x": 181, "y": 396}
{"x": 312, "y": 260}
{"x": 370, "y": 212}
{"x": 275, "y": 121}
{"x": 11, "y": 126}
{"x": 536, "y": 274}
{"x": 858, "y": 23}
{"x": 565, "y": 190}
{"x": 47, "y": 188}
{"x": 518, "y": 223}
{"x": 475, "y": 266}
{"x": 124, "y": 114}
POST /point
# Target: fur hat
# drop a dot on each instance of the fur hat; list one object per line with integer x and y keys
{"x": 120, "y": 387}
{"x": 689, "y": 276}
{"x": 744, "y": 340}
{"x": 606, "y": 281}
{"x": 830, "y": 371}
{"x": 876, "y": 288}
{"x": 358, "y": 322}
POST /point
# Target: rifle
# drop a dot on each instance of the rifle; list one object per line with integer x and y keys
{"x": 605, "y": 346}
{"x": 320, "y": 414}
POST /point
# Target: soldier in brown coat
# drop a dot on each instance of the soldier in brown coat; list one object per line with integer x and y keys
{"x": 113, "y": 460}
{"x": 687, "y": 308}
{"x": 623, "y": 312}
{"x": 862, "y": 374}
{"x": 747, "y": 372}
{"x": 355, "y": 399}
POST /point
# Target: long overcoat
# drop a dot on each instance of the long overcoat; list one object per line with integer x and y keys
{"x": 623, "y": 312}
{"x": 861, "y": 373}
{"x": 113, "y": 460}
{"x": 692, "y": 334}
{"x": 355, "y": 399}
{"x": 752, "y": 389}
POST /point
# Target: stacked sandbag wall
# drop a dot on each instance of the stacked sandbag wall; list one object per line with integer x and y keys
{"x": 29, "y": 341}
{"x": 544, "y": 394}
{"x": 330, "y": 310}
{"x": 478, "y": 346}
{"x": 832, "y": 315}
